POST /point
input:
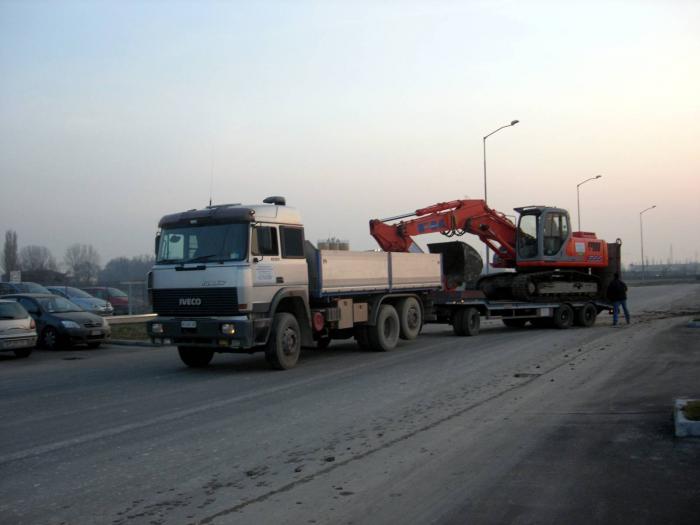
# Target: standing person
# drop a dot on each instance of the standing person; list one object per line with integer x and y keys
{"x": 617, "y": 294}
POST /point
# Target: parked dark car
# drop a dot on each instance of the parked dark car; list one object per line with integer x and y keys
{"x": 17, "y": 329}
{"x": 83, "y": 299}
{"x": 25, "y": 287}
{"x": 114, "y": 296}
{"x": 60, "y": 322}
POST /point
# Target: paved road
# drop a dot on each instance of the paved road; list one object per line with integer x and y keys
{"x": 513, "y": 426}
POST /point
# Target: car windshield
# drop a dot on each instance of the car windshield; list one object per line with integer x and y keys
{"x": 31, "y": 288}
{"x": 75, "y": 292}
{"x": 213, "y": 242}
{"x": 12, "y": 311}
{"x": 58, "y": 304}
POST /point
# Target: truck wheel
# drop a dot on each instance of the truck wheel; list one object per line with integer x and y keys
{"x": 563, "y": 317}
{"x": 362, "y": 338}
{"x": 466, "y": 321}
{"x": 284, "y": 346}
{"x": 410, "y": 318}
{"x": 385, "y": 334}
{"x": 586, "y": 315}
{"x": 195, "y": 357}
{"x": 514, "y": 323}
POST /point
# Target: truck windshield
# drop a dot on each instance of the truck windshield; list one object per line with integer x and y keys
{"x": 209, "y": 242}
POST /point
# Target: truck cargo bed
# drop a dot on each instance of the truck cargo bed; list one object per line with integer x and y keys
{"x": 334, "y": 272}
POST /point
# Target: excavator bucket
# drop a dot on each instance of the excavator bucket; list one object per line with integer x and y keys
{"x": 461, "y": 264}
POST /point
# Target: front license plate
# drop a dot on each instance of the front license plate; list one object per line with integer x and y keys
{"x": 96, "y": 332}
{"x": 188, "y": 324}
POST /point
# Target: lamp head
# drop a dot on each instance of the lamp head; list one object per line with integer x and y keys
{"x": 598, "y": 176}
{"x": 514, "y": 122}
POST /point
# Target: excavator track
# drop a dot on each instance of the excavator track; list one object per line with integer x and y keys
{"x": 562, "y": 285}
{"x": 555, "y": 285}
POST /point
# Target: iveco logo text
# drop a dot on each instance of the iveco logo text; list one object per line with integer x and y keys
{"x": 190, "y": 301}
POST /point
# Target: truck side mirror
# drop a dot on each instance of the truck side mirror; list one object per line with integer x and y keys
{"x": 157, "y": 243}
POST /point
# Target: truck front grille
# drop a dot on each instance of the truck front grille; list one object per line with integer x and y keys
{"x": 195, "y": 301}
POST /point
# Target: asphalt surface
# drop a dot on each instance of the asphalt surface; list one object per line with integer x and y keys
{"x": 512, "y": 426}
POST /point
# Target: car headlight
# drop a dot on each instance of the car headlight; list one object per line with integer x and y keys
{"x": 228, "y": 328}
{"x": 157, "y": 328}
{"x": 70, "y": 324}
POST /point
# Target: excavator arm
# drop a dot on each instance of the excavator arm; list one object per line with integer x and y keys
{"x": 449, "y": 218}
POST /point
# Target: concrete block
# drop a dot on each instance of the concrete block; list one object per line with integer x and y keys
{"x": 684, "y": 427}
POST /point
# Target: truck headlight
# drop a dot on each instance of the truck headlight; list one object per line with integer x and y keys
{"x": 228, "y": 328}
{"x": 70, "y": 324}
{"x": 157, "y": 328}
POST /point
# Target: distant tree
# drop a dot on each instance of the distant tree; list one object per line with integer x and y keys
{"x": 10, "y": 258}
{"x": 122, "y": 269}
{"x": 83, "y": 263}
{"x": 35, "y": 258}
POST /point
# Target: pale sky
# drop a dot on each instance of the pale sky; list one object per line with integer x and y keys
{"x": 113, "y": 114}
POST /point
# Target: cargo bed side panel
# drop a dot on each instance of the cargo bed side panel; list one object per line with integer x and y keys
{"x": 413, "y": 270}
{"x": 344, "y": 271}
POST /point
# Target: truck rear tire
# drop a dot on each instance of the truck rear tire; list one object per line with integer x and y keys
{"x": 410, "y": 318}
{"x": 385, "y": 334}
{"x": 586, "y": 315}
{"x": 563, "y": 317}
{"x": 466, "y": 321}
{"x": 284, "y": 345}
{"x": 514, "y": 323}
{"x": 195, "y": 357}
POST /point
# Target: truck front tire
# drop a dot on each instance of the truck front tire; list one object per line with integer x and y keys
{"x": 410, "y": 318}
{"x": 284, "y": 345}
{"x": 385, "y": 334}
{"x": 195, "y": 357}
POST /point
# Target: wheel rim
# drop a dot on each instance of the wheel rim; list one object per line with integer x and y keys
{"x": 289, "y": 341}
{"x": 413, "y": 317}
{"x": 50, "y": 338}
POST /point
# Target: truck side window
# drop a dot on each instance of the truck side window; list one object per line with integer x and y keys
{"x": 264, "y": 241}
{"x": 292, "y": 242}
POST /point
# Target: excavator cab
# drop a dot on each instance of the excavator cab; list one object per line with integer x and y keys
{"x": 542, "y": 235}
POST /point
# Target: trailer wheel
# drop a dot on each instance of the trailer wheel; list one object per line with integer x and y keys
{"x": 410, "y": 318}
{"x": 385, "y": 334}
{"x": 284, "y": 346}
{"x": 195, "y": 357}
{"x": 466, "y": 321}
{"x": 563, "y": 316}
{"x": 361, "y": 337}
{"x": 586, "y": 315}
{"x": 514, "y": 323}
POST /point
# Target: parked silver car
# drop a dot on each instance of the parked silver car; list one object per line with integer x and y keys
{"x": 83, "y": 299}
{"x": 17, "y": 329}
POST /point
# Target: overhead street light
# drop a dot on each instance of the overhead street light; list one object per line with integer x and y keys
{"x": 578, "y": 199}
{"x": 641, "y": 235}
{"x": 512, "y": 123}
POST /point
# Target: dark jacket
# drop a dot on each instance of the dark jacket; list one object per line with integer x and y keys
{"x": 617, "y": 290}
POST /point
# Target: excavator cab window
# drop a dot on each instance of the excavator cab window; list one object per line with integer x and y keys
{"x": 527, "y": 236}
{"x": 556, "y": 231}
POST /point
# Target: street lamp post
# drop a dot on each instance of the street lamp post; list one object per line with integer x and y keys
{"x": 512, "y": 123}
{"x": 578, "y": 199}
{"x": 641, "y": 235}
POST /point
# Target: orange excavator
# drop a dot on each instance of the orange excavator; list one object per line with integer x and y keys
{"x": 550, "y": 260}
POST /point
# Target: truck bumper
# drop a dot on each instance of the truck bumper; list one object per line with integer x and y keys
{"x": 207, "y": 332}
